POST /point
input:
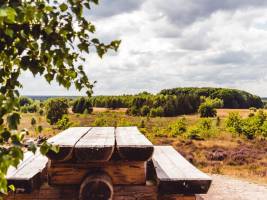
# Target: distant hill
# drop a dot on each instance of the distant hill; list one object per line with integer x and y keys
{"x": 43, "y": 98}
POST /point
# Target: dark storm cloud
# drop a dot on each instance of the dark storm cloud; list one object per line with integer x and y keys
{"x": 107, "y": 8}
{"x": 185, "y": 12}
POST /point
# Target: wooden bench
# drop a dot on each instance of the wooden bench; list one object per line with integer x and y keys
{"x": 29, "y": 175}
{"x": 175, "y": 175}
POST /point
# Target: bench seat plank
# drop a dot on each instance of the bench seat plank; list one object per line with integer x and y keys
{"x": 27, "y": 157}
{"x": 66, "y": 141}
{"x": 29, "y": 174}
{"x": 96, "y": 146}
{"x": 132, "y": 144}
{"x": 175, "y": 175}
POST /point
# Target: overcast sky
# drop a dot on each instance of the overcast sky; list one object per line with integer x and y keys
{"x": 175, "y": 43}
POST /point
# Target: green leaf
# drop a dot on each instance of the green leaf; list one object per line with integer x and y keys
{"x": 63, "y": 7}
{"x": 32, "y": 147}
{"x": 12, "y": 188}
{"x": 44, "y": 148}
{"x": 9, "y": 32}
{"x": 13, "y": 120}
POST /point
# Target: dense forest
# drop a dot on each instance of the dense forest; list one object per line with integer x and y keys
{"x": 168, "y": 102}
{"x": 172, "y": 102}
{"x": 232, "y": 98}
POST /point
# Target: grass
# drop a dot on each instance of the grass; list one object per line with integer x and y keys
{"x": 223, "y": 153}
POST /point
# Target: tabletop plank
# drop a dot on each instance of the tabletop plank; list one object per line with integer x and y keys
{"x": 176, "y": 175}
{"x": 132, "y": 144}
{"x": 66, "y": 141}
{"x": 97, "y": 145}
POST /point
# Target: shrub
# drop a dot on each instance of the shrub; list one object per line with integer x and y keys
{"x": 41, "y": 112}
{"x": 142, "y": 124}
{"x": 24, "y": 109}
{"x": 33, "y": 108}
{"x": 82, "y": 104}
{"x": 39, "y": 129}
{"x": 250, "y": 127}
{"x": 178, "y": 128}
{"x": 25, "y": 101}
{"x": 203, "y": 129}
{"x": 264, "y": 129}
{"x": 157, "y": 112}
{"x": 33, "y": 121}
{"x": 234, "y": 122}
{"x": 218, "y": 121}
{"x": 145, "y": 110}
{"x": 100, "y": 121}
{"x": 55, "y": 109}
{"x": 63, "y": 123}
{"x": 253, "y": 109}
{"x": 194, "y": 133}
{"x": 207, "y": 110}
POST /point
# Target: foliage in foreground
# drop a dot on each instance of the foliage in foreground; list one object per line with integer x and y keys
{"x": 45, "y": 38}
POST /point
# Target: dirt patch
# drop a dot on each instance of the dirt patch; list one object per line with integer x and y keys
{"x": 227, "y": 188}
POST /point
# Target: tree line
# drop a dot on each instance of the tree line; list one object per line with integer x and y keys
{"x": 167, "y": 103}
{"x": 232, "y": 98}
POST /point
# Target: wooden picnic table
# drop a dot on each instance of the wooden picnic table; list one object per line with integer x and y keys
{"x": 102, "y": 163}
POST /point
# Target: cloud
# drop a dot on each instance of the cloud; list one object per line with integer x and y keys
{"x": 108, "y": 8}
{"x": 174, "y": 43}
{"x": 184, "y": 12}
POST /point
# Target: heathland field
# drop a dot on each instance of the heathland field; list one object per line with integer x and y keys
{"x": 207, "y": 142}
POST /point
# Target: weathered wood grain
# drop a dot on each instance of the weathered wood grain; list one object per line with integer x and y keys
{"x": 133, "y": 145}
{"x": 29, "y": 174}
{"x": 66, "y": 141}
{"x": 95, "y": 146}
{"x": 121, "y": 172}
{"x": 175, "y": 175}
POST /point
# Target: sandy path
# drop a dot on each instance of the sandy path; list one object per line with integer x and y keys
{"x": 226, "y": 188}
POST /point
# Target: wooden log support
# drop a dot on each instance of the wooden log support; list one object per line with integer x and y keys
{"x": 122, "y": 173}
{"x": 96, "y": 146}
{"x": 175, "y": 175}
{"x": 46, "y": 192}
{"x": 121, "y": 192}
{"x": 133, "y": 145}
{"x": 66, "y": 141}
{"x": 97, "y": 186}
{"x": 30, "y": 173}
